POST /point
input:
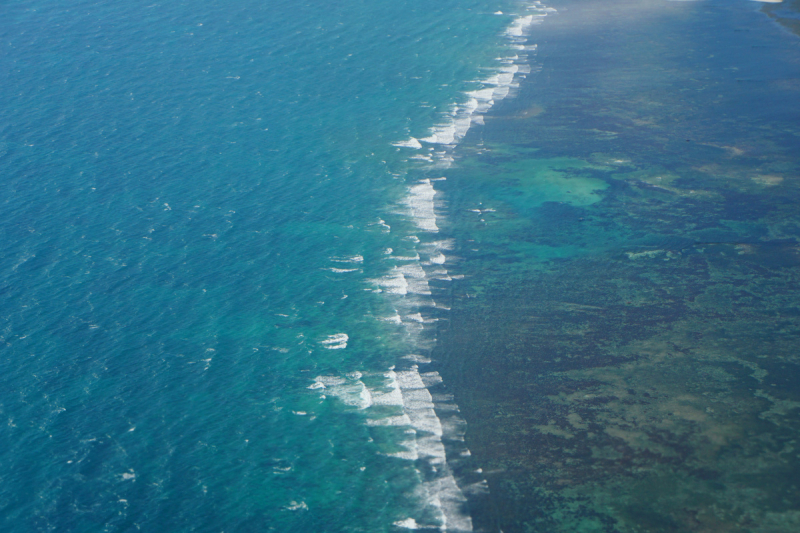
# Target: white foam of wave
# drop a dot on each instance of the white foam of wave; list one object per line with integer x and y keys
{"x": 420, "y": 202}
{"x": 396, "y": 319}
{"x": 386, "y": 227}
{"x": 394, "y": 282}
{"x": 416, "y": 317}
{"x": 503, "y": 79}
{"x": 442, "y": 275}
{"x": 445, "y": 496}
{"x": 442, "y": 492}
{"x": 294, "y": 506}
{"x": 336, "y": 342}
{"x": 408, "y": 523}
{"x": 342, "y": 270}
{"x": 444, "y": 134}
{"x": 349, "y": 391}
{"x": 416, "y": 279}
{"x": 444, "y": 244}
{"x": 418, "y": 405}
{"x": 393, "y": 396}
{"x": 518, "y": 27}
{"x": 353, "y": 259}
{"x": 401, "y": 420}
{"x": 410, "y": 143}
{"x": 406, "y": 257}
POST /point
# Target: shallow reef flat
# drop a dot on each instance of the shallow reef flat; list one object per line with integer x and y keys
{"x": 623, "y": 345}
{"x": 786, "y": 13}
{"x": 651, "y": 390}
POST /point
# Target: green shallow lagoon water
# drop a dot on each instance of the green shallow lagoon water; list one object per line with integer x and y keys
{"x": 624, "y": 345}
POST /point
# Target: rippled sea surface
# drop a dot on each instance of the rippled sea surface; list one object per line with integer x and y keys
{"x": 380, "y": 266}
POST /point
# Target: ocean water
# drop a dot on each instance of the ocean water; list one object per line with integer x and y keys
{"x": 219, "y": 258}
{"x": 381, "y": 266}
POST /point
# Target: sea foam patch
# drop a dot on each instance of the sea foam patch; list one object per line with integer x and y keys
{"x": 420, "y": 203}
{"x": 410, "y": 143}
{"x": 335, "y": 342}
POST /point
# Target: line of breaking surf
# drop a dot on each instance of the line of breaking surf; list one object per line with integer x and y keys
{"x": 415, "y": 400}
{"x": 440, "y": 142}
{"x": 476, "y": 103}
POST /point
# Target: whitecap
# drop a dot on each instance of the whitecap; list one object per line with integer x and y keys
{"x": 394, "y": 282}
{"x": 420, "y": 203}
{"x": 414, "y": 257}
{"x": 416, "y": 317}
{"x": 295, "y": 506}
{"x": 393, "y": 397}
{"x": 394, "y": 319}
{"x": 408, "y": 523}
{"x": 351, "y": 392}
{"x": 442, "y": 134}
{"x": 410, "y": 143}
{"x": 519, "y": 26}
{"x": 336, "y": 342}
{"x": 353, "y": 259}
